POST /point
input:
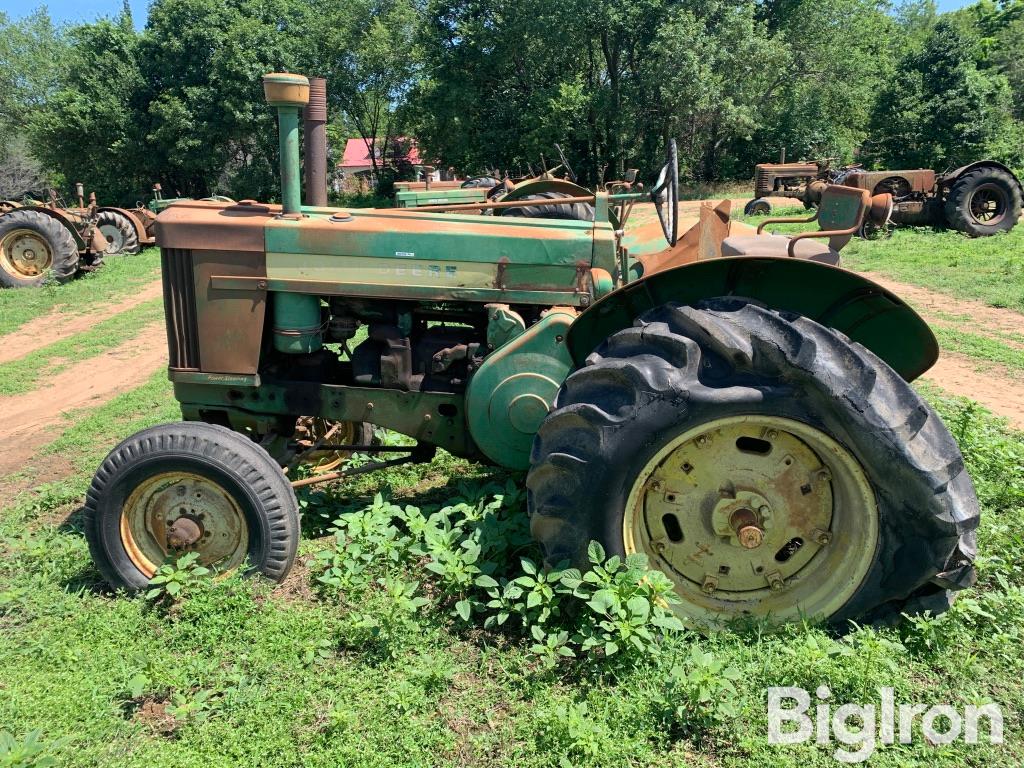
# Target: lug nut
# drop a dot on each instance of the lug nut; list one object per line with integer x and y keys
{"x": 709, "y": 586}
{"x": 821, "y": 537}
{"x": 775, "y": 581}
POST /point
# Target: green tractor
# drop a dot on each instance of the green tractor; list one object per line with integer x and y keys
{"x": 746, "y": 422}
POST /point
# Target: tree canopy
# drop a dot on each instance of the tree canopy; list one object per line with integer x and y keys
{"x": 495, "y": 84}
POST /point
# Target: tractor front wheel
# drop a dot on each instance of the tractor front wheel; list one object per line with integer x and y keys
{"x": 766, "y": 464}
{"x": 35, "y": 247}
{"x": 762, "y": 206}
{"x": 190, "y": 487}
{"x": 119, "y": 232}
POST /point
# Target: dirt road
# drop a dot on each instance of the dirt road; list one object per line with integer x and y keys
{"x": 33, "y": 419}
{"x": 997, "y": 388}
{"x": 56, "y": 325}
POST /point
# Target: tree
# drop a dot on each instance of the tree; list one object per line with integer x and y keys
{"x": 943, "y": 110}
{"x": 87, "y": 130}
{"x": 32, "y": 66}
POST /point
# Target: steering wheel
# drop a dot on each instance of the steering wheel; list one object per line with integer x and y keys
{"x": 665, "y": 194}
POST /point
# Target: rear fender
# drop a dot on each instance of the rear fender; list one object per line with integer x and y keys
{"x": 65, "y": 221}
{"x": 948, "y": 178}
{"x": 834, "y": 297}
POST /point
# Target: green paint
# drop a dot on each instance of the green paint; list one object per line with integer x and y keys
{"x": 291, "y": 197}
{"x": 511, "y": 393}
{"x": 297, "y": 323}
{"x": 411, "y": 198}
{"x": 431, "y": 417}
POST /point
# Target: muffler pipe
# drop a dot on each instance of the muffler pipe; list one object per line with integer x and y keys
{"x": 314, "y": 126}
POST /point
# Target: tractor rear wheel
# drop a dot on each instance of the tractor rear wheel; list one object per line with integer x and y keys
{"x": 190, "y": 487}
{"x": 537, "y": 207}
{"x": 983, "y": 202}
{"x": 35, "y": 247}
{"x": 766, "y": 464}
{"x": 119, "y": 232}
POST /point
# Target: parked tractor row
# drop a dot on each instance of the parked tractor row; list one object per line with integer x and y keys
{"x": 978, "y": 199}
{"x": 51, "y": 241}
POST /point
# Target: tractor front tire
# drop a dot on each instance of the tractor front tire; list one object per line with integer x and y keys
{"x": 34, "y": 248}
{"x": 119, "y": 232}
{"x": 190, "y": 487}
{"x": 983, "y": 202}
{"x": 538, "y": 207}
{"x": 766, "y": 464}
{"x": 762, "y": 206}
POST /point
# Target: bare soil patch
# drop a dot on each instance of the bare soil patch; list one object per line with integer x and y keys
{"x": 988, "y": 321}
{"x": 57, "y": 324}
{"x": 30, "y": 418}
{"x": 999, "y": 390}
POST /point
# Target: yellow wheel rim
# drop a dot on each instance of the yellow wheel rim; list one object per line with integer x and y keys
{"x": 25, "y": 253}
{"x": 311, "y": 430}
{"x": 755, "y": 516}
{"x": 177, "y": 512}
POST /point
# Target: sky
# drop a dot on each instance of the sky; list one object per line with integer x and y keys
{"x": 71, "y": 11}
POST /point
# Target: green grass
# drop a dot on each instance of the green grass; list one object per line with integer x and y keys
{"x": 987, "y": 269}
{"x": 26, "y": 373}
{"x": 982, "y": 348}
{"x": 294, "y": 676}
{"x": 119, "y": 277}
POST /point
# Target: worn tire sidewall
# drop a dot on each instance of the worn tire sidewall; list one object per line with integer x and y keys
{"x": 65, "y": 260}
{"x": 107, "y": 498}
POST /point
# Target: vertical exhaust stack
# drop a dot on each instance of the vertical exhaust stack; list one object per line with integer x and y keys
{"x": 314, "y": 126}
{"x": 288, "y": 93}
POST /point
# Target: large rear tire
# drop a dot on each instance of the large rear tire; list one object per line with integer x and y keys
{"x": 983, "y": 202}
{"x": 766, "y": 464}
{"x": 34, "y": 248}
{"x": 190, "y": 487}
{"x": 119, "y": 232}
{"x": 537, "y": 207}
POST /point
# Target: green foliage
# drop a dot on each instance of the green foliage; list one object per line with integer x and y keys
{"x": 175, "y": 579}
{"x": 618, "y": 607}
{"x": 29, "y": 752}
{"x": 700, "y": 693}
{"x": 943, "y": 110}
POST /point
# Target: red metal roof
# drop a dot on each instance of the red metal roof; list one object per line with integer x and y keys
{"x": 357, "y": 154}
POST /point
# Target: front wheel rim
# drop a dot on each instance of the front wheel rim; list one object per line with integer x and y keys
{"x": 755, "y": 516}
{"x": 172, "y": 513}
{"x": 25, "y": 253}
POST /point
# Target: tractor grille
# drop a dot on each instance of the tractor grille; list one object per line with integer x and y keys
{"x": 763, "y": 181}
{"x": 180, "y": 308}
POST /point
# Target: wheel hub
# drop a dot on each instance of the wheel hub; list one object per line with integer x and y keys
{"x": 176, "y": 512}
{"x": 742, "y": 514}
{"x": 25, "y": 253}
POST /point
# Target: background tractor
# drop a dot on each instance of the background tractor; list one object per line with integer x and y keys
{"x": 48, "y": 241}
{"x": 746, "y": 423}
{"x": 978, "y": 199}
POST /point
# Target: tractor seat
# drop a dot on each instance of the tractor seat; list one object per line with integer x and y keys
{"x": 778, "y": 245}
{"x": 840, "y": 214}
